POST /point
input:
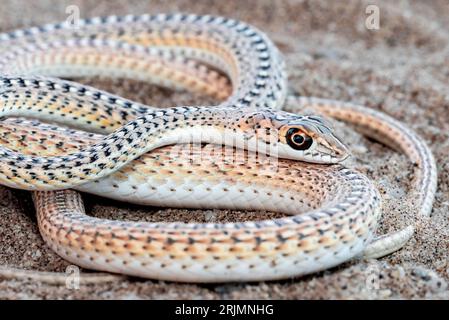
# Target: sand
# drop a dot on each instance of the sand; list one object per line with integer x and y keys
{"x": 401, "y": 69}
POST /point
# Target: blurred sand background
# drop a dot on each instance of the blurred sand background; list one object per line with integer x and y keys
{"x": 402, "y": 69}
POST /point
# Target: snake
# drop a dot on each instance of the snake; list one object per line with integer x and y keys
{"x": 244, "y": 153}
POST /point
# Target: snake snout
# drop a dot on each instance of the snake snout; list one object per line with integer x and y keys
{"x": 337, "y": 150}
{"x": 341, "y": 152}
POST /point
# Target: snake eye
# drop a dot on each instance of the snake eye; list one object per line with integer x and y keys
{"x": 298, "y": 140}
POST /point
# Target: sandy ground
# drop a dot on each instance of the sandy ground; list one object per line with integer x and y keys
{"x": 402, "y": 69}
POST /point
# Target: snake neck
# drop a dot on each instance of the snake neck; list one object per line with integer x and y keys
{"x": 178, "y": 125}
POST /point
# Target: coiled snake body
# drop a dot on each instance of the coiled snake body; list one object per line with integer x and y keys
{"x": 134, "y": 152}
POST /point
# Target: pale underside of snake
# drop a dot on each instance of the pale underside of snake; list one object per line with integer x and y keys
{"x": 332, "y": 211}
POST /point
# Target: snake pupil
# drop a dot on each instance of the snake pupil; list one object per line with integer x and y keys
{"x": 298, "y": 139}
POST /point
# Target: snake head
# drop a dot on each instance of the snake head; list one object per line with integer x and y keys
{"x": 291, "y": 136}
{"x": 311, "y": 139}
